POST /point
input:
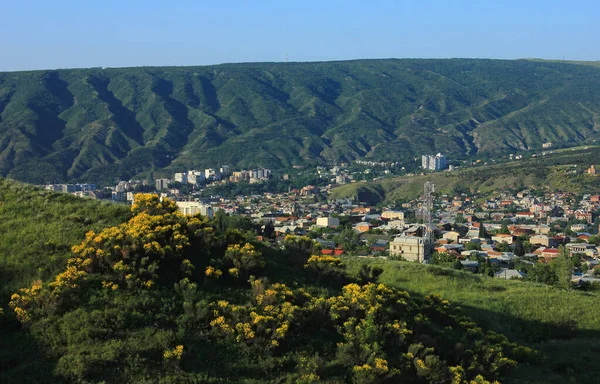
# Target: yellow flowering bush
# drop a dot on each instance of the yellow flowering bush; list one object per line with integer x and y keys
{"x": 234, "y": 272}
{"x": 326, "y": 267}
{"x": 212, "y": 272}
{"x": 173, "y": 354}
{"x": 316, "y": 259}
{"x": 152, "y": 204}
{"x": 263, "y": 323}
{"x": 129, "y": 254}
{"x": 133, "y": 251}
{"x": 308, "y": 368}
{"x": 359, "y": 301}
{"x": 21, "y": 303}
{"x": 244, "y": 259}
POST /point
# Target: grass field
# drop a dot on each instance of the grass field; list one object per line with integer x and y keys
{"x": 563, "y": 325}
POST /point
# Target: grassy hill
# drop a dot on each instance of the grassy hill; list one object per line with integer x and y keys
{"x": 562, "y": 325}
{"x": 152, "y": 296}
{"x": 559, "y": 171}
{"x": 102, "y": 124}
{"x": 38, "y": 229}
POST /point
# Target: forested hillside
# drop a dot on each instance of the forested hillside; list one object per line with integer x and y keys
{"x": 100, "y": 124}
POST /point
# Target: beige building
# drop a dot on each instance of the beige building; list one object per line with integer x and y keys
{"x": 591, "y": 170}
{"x": 408, "y": 247}
{"x": 329, "y": 222}
{"x": 393, "y": 215}
{"x": 540, "y": 240}
{"x": 194, "y": 207}
{"x": 503, "y": 238}
{"x": 452, "y": 236}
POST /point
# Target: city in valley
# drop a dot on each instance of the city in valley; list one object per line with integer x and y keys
{"x": 509, "y": 234}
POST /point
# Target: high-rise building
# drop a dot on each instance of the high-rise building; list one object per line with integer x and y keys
{"x": 162, "y": 184}
{"x": 181, "y": 177}
{"x": 434, "y": 163}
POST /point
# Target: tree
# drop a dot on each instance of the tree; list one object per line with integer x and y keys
{"x": 503, "y": 247}
{"x": 481, "y": 233}
{"x": 269, "y": 231}
{"x": 348, "y": 239}
{"x": 542, "y": 273}
{"x": 442, "y": 258}
{"x": 300, "y": 248}
{"x": 595, "y": 239}
{"x": 563, "y": 268}
{"x": 486, "y": 267}
{"x": 472, "y": 246}
{"x": 368, "y": 274}
{"x": 504, "y": 229}
{"x": 518, "y": 247}
{"x": 457, "y": 264}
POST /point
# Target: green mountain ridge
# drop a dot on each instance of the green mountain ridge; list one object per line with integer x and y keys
{"x": 99, "y": 125}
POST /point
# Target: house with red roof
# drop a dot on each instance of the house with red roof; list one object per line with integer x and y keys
{"x": 332, "y": 252}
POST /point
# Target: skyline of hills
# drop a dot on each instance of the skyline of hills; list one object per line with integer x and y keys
{"x": 99, "y": 125}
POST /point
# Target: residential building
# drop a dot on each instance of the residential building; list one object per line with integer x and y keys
{"x": 162, "y": 184}
{"x": 433, "y": 162}
{"x": 410, "y": 248}
{"x": 503, "y": 238}
{"x": 509, "y": 274}
{"x": 393, "y": 215}
{"x": 181, "y": 177}
{"x": 194, "y": 207}
{"x": 591, "y": 170}
{"x": 329, "y": 222}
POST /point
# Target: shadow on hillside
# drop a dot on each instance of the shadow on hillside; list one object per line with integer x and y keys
{"x": 564, "y": 347}
{"x": 49, "y": 127}
{"x": 562, "y": 344}
{"x": 122, "y": 116}
{"x": 180, "y": 126}
{"x": 22, "y": 359}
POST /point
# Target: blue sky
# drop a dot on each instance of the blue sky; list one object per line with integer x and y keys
{"x": 90, "y": 33}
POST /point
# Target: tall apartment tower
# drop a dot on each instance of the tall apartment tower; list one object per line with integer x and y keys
{"x": 434, "y": 163}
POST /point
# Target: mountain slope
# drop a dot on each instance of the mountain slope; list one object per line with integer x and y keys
{"x": 102, "y": 124}
{"x": 563, "y": 170}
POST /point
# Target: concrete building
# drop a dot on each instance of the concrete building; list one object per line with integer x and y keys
{"x": 542, "y": 240}
{"x": 342, "y": 179}
{"x": 194, "y": 207}
{"x": 410, "y": 248}
{"x": 329, "y": 222}
{"x": 434, "y": 163}
{"x": 503, "y": 238}
{"x": 451, "y": 236}
{"x": 162, "y": 184}
{"x": 393, "y": 215}
{"x": 181, "y": 177}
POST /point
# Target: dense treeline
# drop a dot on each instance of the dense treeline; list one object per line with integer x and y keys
{"x": 100, "y": 124}
{"x": 168, "y": 298}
